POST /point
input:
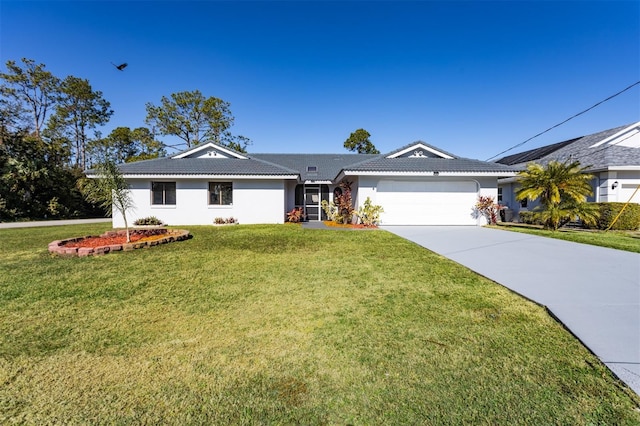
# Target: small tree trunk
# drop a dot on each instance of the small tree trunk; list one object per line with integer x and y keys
{"x": 126, "y": 226}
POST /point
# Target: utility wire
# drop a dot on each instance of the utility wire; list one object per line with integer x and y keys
{"x": 570, "y": 118}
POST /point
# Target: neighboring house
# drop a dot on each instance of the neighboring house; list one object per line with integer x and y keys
{"x": 612, "y": 156}
{"x": 418, "y": 184}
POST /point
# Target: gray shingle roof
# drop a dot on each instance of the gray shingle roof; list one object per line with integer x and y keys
{"x": 328, "y": 165}
{"x": 424, "y": 164}
{"x": 580, "y": 149}
{"x": 197, "y": 166}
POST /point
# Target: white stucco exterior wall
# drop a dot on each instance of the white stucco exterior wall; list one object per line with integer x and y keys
{"x": 619, "y": 186}
{"x": 254, "y": 201}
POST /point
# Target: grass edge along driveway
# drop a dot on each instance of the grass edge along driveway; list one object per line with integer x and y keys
{"x": 619, "y": 240}
{"x": 278, "y": 324}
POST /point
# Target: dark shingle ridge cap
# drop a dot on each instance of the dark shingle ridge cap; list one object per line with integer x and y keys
{"x": 312, "y": 155}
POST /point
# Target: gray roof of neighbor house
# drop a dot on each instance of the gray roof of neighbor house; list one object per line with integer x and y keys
{"x": 581, "y": 149}
{"x": 327, "y": 166}
{"x": 201, "y": 166}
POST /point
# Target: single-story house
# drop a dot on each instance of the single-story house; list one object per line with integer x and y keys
{"x": 612, "y": 156}
{"x": 418, "y": 184}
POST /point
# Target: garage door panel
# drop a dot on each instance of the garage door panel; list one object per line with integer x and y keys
{"x": 427, "y": 203}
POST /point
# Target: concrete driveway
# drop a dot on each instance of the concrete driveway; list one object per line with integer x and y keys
{"x": 593, "y": 291}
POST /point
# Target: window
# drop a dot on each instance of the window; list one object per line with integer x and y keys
{"x": 220, "y": 193}
{"x": 163, "y": 193}
{"x": 500, "y": 195}
{"x": 312, "y": 169}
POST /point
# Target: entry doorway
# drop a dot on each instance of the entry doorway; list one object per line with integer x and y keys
{"x": 309, "y": 197}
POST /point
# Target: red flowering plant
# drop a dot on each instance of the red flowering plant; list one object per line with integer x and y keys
{"x": 489, "y": 208}
{"x": 344, "y": 203}
{"x": 296, "y": 215}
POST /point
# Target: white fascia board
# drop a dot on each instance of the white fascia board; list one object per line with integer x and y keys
{"x": 614, "y": 169}
{"x": 210, "y": 145}
{"x": 510, "y": 179}
{"x": 421, "y": 146}
{"x": 631, "y": 128}
{"x": 315, "y": 182}
{"x": 372, "y": 173}
{"x": 624, "y": 168}
{"x": 211, "y": 176}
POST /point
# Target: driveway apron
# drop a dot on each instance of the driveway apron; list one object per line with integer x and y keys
{"x": 593, "y": 291}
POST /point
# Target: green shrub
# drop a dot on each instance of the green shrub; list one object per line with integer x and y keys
{"x": 330, "y": 210}
{"x": 529, "y": 218}
{"x": 628, "y": 220}
{"x": 151, "y": 220}
{"x": 225, "y": 221}
{"x": 369, "y": 213}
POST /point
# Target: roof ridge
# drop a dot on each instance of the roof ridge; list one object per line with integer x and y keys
{"x": 297, "y": 172}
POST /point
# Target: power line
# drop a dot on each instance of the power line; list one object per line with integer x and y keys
{"x": 570, "y": 118}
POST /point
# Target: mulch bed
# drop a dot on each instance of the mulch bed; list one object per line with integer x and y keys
{"x": 116, "y": 241}
{"x": 111, "y": 238}
{"x": 351, "y": 226}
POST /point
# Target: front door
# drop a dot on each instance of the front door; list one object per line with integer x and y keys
{"x": 312, "y": 202}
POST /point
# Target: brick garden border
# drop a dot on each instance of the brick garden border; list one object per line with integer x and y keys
{"x": 57, "y": 247}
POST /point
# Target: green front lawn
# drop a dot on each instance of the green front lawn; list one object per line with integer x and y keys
{"x": 620, "y": 240}
{"x": 282, "y": 325}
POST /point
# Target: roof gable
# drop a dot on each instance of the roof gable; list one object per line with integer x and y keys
{"x": 419, "y": 149}
{"x": 209, "y": 150}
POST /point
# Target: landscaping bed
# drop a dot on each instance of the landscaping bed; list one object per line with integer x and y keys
{"x": 333, "y": 224}
{"x": 112, "y": 241}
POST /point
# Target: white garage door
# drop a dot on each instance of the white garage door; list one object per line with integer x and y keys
{"x": 427, "y": 203}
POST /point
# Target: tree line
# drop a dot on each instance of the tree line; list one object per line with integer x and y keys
{"x": 49, "y": 137}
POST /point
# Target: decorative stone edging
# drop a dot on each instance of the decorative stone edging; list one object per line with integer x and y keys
{"x": 58, "y": 247}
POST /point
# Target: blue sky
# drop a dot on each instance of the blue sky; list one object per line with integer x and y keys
{"x": 473, "y": 78}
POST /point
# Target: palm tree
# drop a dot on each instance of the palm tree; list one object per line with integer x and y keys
{"x": 562, "y": 189}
